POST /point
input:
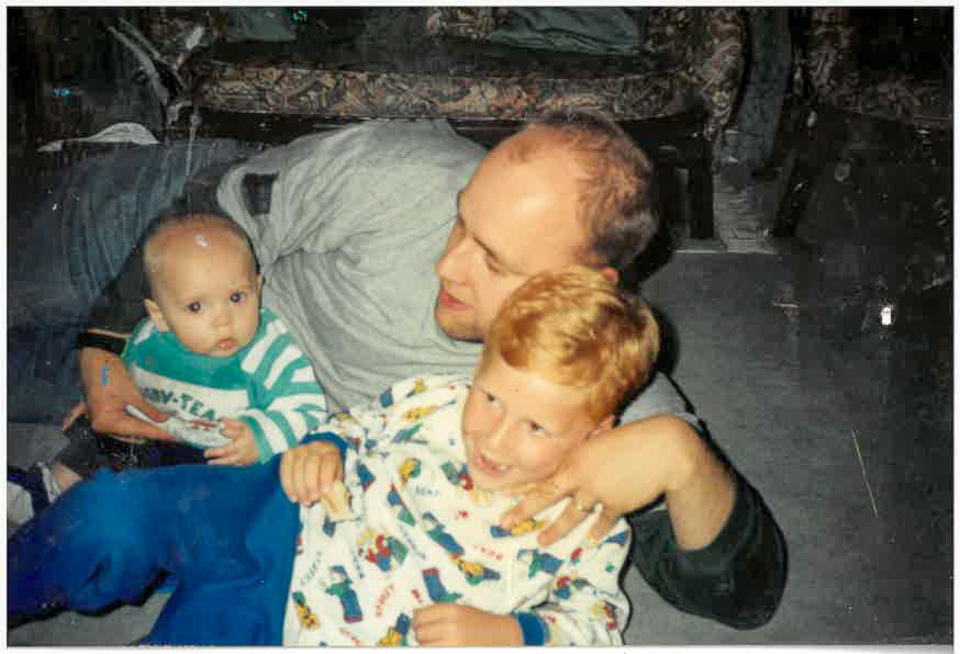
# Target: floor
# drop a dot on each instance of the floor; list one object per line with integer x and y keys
{"x": 843, "y": 423}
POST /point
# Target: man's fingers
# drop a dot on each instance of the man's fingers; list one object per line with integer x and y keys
{"x": 125, "y": 425}
{"x": 78, "y": 410}
{"x": 563, "y": 525}
{"x": 603, "y": 525}
{"x": 544, "y": 494}
{"x": 152, "y": 412}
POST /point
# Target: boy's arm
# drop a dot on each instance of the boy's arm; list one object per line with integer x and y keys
{"x": 585, "y": 606}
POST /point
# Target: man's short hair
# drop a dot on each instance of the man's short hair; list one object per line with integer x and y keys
{"x": 616, "y": 194}
{"x": 172, "y": 220}
{"x": 574, "y": 327}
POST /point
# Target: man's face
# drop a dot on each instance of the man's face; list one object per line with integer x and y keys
{"x": 514, "y": 219}
{"x": 518, "y": 427}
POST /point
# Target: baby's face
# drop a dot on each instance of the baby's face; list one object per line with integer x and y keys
{"x": 208, "y": 292}
{"x": 518, "y": 427}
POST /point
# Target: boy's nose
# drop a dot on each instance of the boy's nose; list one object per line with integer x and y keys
{"x": 222, "y": 318}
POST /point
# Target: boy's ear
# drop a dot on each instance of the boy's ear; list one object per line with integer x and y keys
{"x": 604, "y": 425}
{"x": 156, "y": 315}
{"x": 259, "y": 283}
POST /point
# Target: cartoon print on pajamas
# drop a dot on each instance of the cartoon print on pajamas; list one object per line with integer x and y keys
{"x": 397, "y": 634}
{"x": 563, "y": 585}
{"x": 383, "y": 551}
{"x": 341, "y": 588}
{"x": 439, "y": 535}
{"x": 407, "y": 435}
{"x": 366, "y": 477}
{"x": 395, "y": 501}
{"x": 524, "y": 527}
{"x": 306, "y": 617}
{"x": 409, "y": 469}
{"x": 459, "y": 477}
{"x": 539, "y": 561}
{"x": 619, "y": 538}
{"x": 607, "y": 611}
{"x": 435, "y": 588}
{"x": 476, "y": 572}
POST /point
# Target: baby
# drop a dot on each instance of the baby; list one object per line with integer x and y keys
{"x": 237, "y": 388}
{"x": 432, "y": 465}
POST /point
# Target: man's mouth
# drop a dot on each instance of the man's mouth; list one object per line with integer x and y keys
{"x": 448, "y": 301}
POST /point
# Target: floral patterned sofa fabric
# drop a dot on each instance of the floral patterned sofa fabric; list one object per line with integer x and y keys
{"x": 837, "y": 78}
{"x": 449, "y": 67}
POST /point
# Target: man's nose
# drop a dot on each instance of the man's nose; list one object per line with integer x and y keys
{"x": 453, "y": 262}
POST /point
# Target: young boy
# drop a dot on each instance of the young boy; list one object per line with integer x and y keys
{"x": 430, "y": 469}
{"x": 423, "y": 559}
{"x": 239, "y": 389}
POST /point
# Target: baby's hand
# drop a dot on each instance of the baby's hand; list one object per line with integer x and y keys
{"x": 308, "y": 472}
{"x": 243, "y": 451}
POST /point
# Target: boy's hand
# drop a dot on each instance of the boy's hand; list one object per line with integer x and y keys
{"x": 307, "y": 472}
{"x": 108, "y": 389}
{"x": 243, "y": 451}
{"x": 455, "y": 625}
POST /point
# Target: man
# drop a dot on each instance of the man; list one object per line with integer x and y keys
{"x": 355, "y": 222}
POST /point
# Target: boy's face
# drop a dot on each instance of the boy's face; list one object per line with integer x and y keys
{"x": 518, "y": 427}
{"x": 206, "y": 291}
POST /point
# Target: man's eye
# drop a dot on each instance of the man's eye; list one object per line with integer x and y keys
{"x": 493, "y": 266}
{"x": 239, "y": 296}
{"x": 194, "y": 307}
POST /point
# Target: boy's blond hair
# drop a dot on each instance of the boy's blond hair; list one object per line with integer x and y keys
{"x": 575, "y": 328}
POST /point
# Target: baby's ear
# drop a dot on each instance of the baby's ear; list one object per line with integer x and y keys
{"x": 156, "y": 315}
{"x": 604, "y": 425}
{"x": 259, "y": 283}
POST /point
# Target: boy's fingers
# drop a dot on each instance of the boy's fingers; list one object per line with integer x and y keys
{"x": 330, "y": 471}
{"x": 286, "y": 462}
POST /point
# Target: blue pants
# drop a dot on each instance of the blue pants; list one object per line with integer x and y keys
{"x": 228, "y": 534}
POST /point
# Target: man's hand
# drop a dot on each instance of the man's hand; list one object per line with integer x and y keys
{"x": 455, "y": 625}
{"x": 243, "y": 451}
{"x": 108, "y": 388}
{"x": 629, "y": 467}
{"x": 307, "y": 472}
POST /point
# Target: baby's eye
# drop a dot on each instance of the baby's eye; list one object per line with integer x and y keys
{"x": 194, "y": 307}
{"x": 238, "y": 296}
{"x": 491, "y": 398}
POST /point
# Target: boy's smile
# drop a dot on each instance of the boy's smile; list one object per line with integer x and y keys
{"x": 518, "y": 426}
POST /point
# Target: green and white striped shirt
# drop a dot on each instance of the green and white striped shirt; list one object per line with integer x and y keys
{"x": 269, "y": 384}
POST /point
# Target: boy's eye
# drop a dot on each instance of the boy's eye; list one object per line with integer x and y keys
{"x": 491, "y": 398}
{"x": 194, "y": 307}
{"x": 238, "y": 296}
{"x": 538, "y": 429}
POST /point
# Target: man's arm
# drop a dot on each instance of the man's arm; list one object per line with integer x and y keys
{"x": 715, "y": 546}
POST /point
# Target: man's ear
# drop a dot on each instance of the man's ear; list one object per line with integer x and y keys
{"x": 156, "y": 315}
{"x": 611, "y": 274}
{"x": 604, "y": 425}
